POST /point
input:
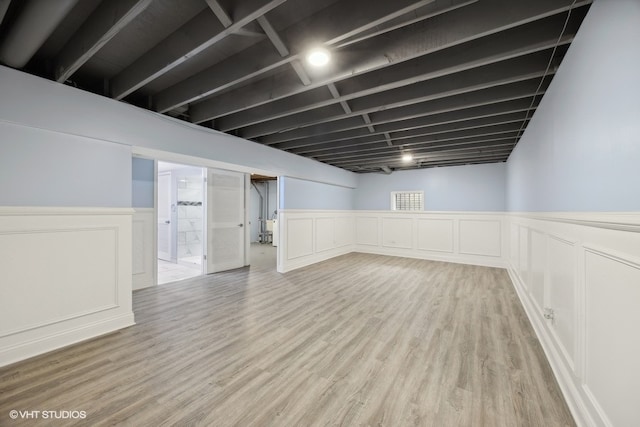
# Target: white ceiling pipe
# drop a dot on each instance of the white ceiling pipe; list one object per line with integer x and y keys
{"x": 35, "y": 23}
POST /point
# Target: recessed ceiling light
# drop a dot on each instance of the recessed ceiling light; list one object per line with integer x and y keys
{"x": 407, "y": 157}
{"x": 318, "y": 57}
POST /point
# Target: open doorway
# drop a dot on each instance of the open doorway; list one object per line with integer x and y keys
{"x": 263, "y": 218}
{"x": 181, "y": 219}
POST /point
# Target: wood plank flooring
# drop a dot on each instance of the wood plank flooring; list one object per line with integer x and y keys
{"x": 356, "y": 340}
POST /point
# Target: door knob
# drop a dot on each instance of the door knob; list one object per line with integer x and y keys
{"x": 167, "y": 222}
{"x": 240, "y": 225}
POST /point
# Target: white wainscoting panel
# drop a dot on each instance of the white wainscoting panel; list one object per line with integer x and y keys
{"x": 397, "y": 232}
{"x": 537, "y": 270}
{"x": 613, "y": 336}
{"x": 586, "y": 269}
{"x": 325, "y": 234}
{"x": 514, "y": 245}
{"x": 463, "y": 237}
{"x": 367, "y": 230}
{"x": 345, "y": 231}
{"x": 481, "y": 237}
{"x": 66, "y": 277}
{"x": 523, "y": 255}
{"x": 144, "y": 266}
{"x": 435, "y": 235}
{"x": 300, "y": 237}
{"x": 313, "y": 236}
{"x": 562, "y": 294}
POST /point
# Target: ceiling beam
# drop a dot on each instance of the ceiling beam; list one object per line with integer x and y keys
{"x": 453, "y": 28}
{"x": 280, "y": 46}
{"x": 474, "y": 116}
{"x": 498, "y": 131}
{"x": 395, "y": 160}
{"x": 334, "y": 92}
{"x": 367, "y": 120}
{"x": 398, "y": 137}
{"x": 220, "y": 13}
{"x": 398, "y": 166}
{"x": 518, "y": 92}
{"x": 104, "y": 24}
{"x": 353, "y": 133}
{"x": 387, "y": 138}
{"x": 191, "y": 39}
{"x": 513, "y": 43}
{"x": 517, "y": 69}
{"x": 390, "y": 153}
{"x": 394, "y": 155}
{"x": 329, "y": 26}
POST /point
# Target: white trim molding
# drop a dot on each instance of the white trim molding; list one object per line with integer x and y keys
{"x": 144, "y": 260}
{"x": 66, "y": 277}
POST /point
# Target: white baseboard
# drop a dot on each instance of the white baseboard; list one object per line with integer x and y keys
{"x": 497, "y": 262}
{"x": 296, "y": 263}
{"x": 63, "y": 338}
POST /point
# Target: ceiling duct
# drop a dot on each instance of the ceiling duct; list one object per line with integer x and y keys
{"x": 33, "y": 26}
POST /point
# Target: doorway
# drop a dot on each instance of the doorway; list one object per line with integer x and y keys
{"x": 264, "y": 221}
{"x": 181, "y": 222}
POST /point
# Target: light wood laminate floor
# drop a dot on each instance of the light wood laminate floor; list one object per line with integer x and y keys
{"x": 357, "y": 340}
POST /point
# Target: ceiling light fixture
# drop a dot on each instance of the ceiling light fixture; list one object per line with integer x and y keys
{"x": 318, "y": 57}
{"x": 407, "y": 157}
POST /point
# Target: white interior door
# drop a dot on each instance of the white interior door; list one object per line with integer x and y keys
{"x": 164, "y": 216}
{"x": 225, "y": 220}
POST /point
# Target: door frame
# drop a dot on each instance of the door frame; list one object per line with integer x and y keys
{"x": 157, "y": 210}
{"x": 166, "y": 156}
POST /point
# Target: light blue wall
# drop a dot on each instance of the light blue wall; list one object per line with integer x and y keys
{"x": 38, "y": 103}
{"x": 142, "y": 184}
{"x": 458, "y": 188}
{"x": 581, "y": 151}
{"x": 43, "y": 168}
{"x": 301, "y": 194}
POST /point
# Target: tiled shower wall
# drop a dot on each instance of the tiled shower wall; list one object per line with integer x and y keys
{"x": 190, "y": 218}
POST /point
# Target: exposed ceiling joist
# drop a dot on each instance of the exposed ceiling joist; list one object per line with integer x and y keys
{"x": 397, "y": 137}
{"x": 490, "y": 76}
{"x": 452, "y": 82}
{"x": 343, "y": 131}
{"x": 335, "y": 23}
{"x": 499, "y": 131}
{"x": 458, "y": 26}
{"x": 394, "y": 155}
{"x": 103, "y": 24}
{"x": 192, "y": 39}
{"x": 277, "y": 42}
{"x": 220, "y": 13}
{"x": 518, "y": 42}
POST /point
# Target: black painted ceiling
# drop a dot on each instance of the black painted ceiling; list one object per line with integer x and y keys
{"x": 449, "y": 81}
